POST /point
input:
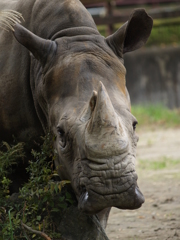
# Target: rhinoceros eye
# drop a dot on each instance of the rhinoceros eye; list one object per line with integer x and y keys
{"x": 62, "y": 139}
{"x": 134, "y": 125}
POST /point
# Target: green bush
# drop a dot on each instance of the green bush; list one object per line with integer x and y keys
{"x": 9, "y": 156}
{"x": 40, "y": 202}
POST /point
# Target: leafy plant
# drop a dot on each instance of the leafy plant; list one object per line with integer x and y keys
{"x": 9, "y": 156}
{"x": 38, "y": 207}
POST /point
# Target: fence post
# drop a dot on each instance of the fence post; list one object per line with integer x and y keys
{"x": 109, "y": 13}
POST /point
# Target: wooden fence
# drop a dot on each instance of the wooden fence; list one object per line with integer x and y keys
{"x": 156, "y": 12}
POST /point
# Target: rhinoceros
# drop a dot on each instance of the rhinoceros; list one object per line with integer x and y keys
{"x": 58, "y": 73}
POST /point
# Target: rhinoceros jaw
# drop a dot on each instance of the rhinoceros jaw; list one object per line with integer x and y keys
{"x": 94, "y": 204}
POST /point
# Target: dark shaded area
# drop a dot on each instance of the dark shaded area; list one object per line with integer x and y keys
{"x": 76, "y": 225}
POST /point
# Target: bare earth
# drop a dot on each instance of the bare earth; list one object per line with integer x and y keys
{"x": 159, "y": 217}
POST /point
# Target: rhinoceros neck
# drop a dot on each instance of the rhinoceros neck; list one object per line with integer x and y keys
{"x": 75, "y": 32}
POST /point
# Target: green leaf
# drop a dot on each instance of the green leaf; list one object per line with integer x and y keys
{"x": 61, "y": 199}
{"x": 55, "y": 210}
{"x": 45, "y": 199}
{"x": 38, "y": 218}
{"x": 56, "y": 188}
{"x": 62, "y": 205}
{"x": 68, "y": 195}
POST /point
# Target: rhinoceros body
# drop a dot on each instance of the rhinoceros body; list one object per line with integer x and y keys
{"x": 58, "y": 73}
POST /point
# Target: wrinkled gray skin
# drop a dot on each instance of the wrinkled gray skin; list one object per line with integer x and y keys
{"x": 71, "y": 80}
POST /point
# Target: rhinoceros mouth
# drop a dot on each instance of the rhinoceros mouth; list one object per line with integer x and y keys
{"x": 109, "y": 188}
{"x": 92, "y": 202}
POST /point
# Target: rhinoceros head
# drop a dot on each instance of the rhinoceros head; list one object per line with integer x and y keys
{"x": 80, "y": 94}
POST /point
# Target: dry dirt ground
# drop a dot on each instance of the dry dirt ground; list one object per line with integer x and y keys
{"x": 158, "y": 168}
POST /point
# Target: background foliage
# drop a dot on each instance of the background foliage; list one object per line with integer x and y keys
{"x": 165, "y": 32}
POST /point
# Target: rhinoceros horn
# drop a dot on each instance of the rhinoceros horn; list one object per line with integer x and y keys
{"x": 133, "y": 34}
{"x": 104, "y": 114}
{"x": 105, "y": 135}
{"x": 39, "y": 47}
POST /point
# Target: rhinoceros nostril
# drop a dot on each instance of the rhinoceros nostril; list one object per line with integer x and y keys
{"x": 93, "y": 100}
{"x": 82, "y": 188}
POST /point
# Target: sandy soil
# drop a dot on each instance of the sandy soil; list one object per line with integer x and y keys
{"x": 159, "y": 217}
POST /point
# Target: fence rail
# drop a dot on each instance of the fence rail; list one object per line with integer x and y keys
{"x": 122, "y": 18}
{"x": 128, "y": 2}
{"x": 110, "y": 18}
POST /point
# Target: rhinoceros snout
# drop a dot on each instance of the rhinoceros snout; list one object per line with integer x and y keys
{"x": 107, "y": 183}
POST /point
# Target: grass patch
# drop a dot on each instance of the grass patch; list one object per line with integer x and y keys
{"x": 156, "y": 115}
{"x": 159, "y": 164}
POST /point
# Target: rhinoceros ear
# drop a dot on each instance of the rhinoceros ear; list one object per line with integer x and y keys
{"x": 39, "y": 47}
{"x": 133, "y": 34}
